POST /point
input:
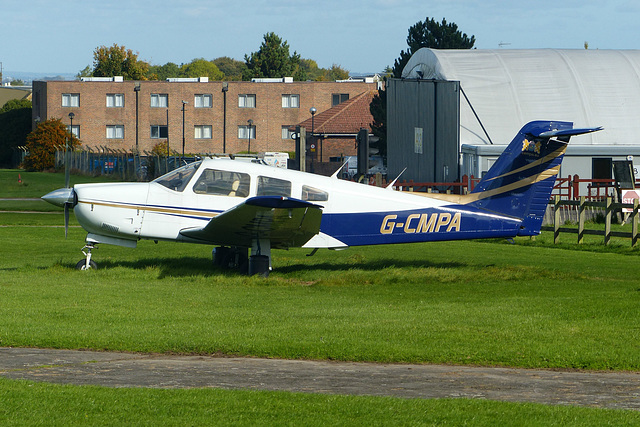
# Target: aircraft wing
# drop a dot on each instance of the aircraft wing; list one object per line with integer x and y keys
{"x": 286, "y": 222}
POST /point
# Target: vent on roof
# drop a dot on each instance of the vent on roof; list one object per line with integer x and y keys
{"x": 274, "y": 80}
{"x": 102, "y": 79}
{"x": 188, "y": 79}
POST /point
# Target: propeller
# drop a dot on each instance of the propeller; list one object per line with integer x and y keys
{"x": 64, "y": 197}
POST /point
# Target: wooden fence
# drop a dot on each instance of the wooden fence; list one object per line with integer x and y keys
{"x": 609, "y": 208}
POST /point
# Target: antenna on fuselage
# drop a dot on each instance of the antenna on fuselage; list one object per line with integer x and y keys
{"x": 391, "y": 184}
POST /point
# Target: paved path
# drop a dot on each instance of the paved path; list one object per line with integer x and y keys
{"x": 598, "y": 389}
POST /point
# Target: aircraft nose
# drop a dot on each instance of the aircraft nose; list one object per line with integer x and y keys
{"x": 61, "y": 197}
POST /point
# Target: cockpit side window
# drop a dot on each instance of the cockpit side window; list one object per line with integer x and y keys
{"x": 268, "y": 186}
{"x": 178, "y": 179}
{"x": 311, "y": 194}
{"x": 222, "y": 183}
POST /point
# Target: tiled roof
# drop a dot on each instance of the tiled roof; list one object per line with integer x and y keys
{"x": 346, "y": 118}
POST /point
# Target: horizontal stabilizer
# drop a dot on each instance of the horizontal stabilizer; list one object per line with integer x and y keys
{"x": 567, "y": 132}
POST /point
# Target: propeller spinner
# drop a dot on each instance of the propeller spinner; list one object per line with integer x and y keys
{"x": 63, "y": 197}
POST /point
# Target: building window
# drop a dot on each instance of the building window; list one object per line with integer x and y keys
{"x": 70, "y": 99}
{"x": 115, "y": 132}
{"x": 290, "y": 101}
{"x": 245, "y": 131}
{"x": 159, "y": 131}
{"x": 247, "y": 101}
{"x": 203, "y": 101}
{"x": 159, "y": 100}
{"x": 338, "y": 98}
{"x": 286, "y": 133}
{"x": 75, "y": 130}
{"x": 202, "y": 132}
{"x": 115, "y": 100}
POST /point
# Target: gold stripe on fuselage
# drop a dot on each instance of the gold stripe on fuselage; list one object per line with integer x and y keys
{"x": 174, "y": 211}
{"x": 474, "y": 197}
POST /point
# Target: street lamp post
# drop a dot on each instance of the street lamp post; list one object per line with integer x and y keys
{"x": 136, "y": 89}
{"x": 67, "y": 152}
{"x": 183, "y": 104}
{"x": 313, "y": 111}
{"x": 249, "y": 130}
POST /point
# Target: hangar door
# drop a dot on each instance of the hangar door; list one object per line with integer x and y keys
{"x": 423, "y": 129}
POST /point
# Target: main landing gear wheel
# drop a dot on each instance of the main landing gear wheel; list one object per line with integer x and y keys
{"x": 259, "y": 264}
{"x": 230, "y": 257}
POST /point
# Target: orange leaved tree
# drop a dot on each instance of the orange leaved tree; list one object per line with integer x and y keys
{"x": 42, "y": 143}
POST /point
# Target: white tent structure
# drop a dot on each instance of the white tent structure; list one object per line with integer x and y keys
{"x": 508, "y": 88}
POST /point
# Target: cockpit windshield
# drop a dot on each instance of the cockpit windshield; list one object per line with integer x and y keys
{"x": 178, "y": 179}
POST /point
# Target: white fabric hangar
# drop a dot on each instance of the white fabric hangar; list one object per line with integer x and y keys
{"x": 508, "y": 88}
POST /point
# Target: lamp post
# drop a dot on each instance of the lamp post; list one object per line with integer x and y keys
{"x": 313, "y": 111}
{"x": 249, "y": 130}
{"x": 136, "y": 89}
{"x": 183, "y": 104}
{"x": 67, "y": 159}
{"x": 71, "y": 116}
{"x": 225, "y": 89}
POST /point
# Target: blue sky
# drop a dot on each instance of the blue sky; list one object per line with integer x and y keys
{"x": 60, "y": 37}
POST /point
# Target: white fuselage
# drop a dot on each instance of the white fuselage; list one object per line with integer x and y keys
{"x": 133, "y": 211}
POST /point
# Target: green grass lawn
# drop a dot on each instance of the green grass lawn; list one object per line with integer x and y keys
{"x": 27, "y": 403}
{"x": 531, "y": 304}
{"x": 16, "y": 183}
{"x": 484, "y": 303}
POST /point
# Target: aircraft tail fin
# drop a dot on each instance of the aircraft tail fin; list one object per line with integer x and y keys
{"x": 520, "y": 182}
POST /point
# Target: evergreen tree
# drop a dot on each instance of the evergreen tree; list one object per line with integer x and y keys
{"x": 273, "y": 60}
{"x": 433, "y": 35}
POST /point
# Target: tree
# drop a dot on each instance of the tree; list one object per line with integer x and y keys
{"x": 433, "y": 35}
{"x": 200, "y": 67}
{"x": 15, "y": 124}
{"x": 163, "y": 72}
{"x": 85, "y": 72}
{"x": 43, "y": 142}
{"x": 273, "y": 60}
{"x": 17, "y": 82}
{"x": 231, "y": 68}
{"x": 118, "y": 61}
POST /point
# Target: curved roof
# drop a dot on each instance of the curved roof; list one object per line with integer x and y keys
{"x": 509, "y": 88}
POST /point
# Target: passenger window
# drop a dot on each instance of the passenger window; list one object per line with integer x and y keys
{"x": 222, "y": 183}
{"x": 273, "y": 187}
{"x": 311, "y": 194}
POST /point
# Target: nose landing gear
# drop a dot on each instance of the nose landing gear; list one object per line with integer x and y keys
{"x": 87, "y": 263}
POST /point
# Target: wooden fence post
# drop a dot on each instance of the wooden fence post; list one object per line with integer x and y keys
{"x": 556, "y": 219}
{"x": 607, "y": 221}
{"x": 581, "y": 215}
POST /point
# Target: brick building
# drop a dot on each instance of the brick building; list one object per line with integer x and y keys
{"x": 217, "y": 116}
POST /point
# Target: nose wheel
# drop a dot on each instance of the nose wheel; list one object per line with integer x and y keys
{"x": 87, "y": 263}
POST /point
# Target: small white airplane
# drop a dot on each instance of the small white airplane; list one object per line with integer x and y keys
{"x": 239, "y": 206}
